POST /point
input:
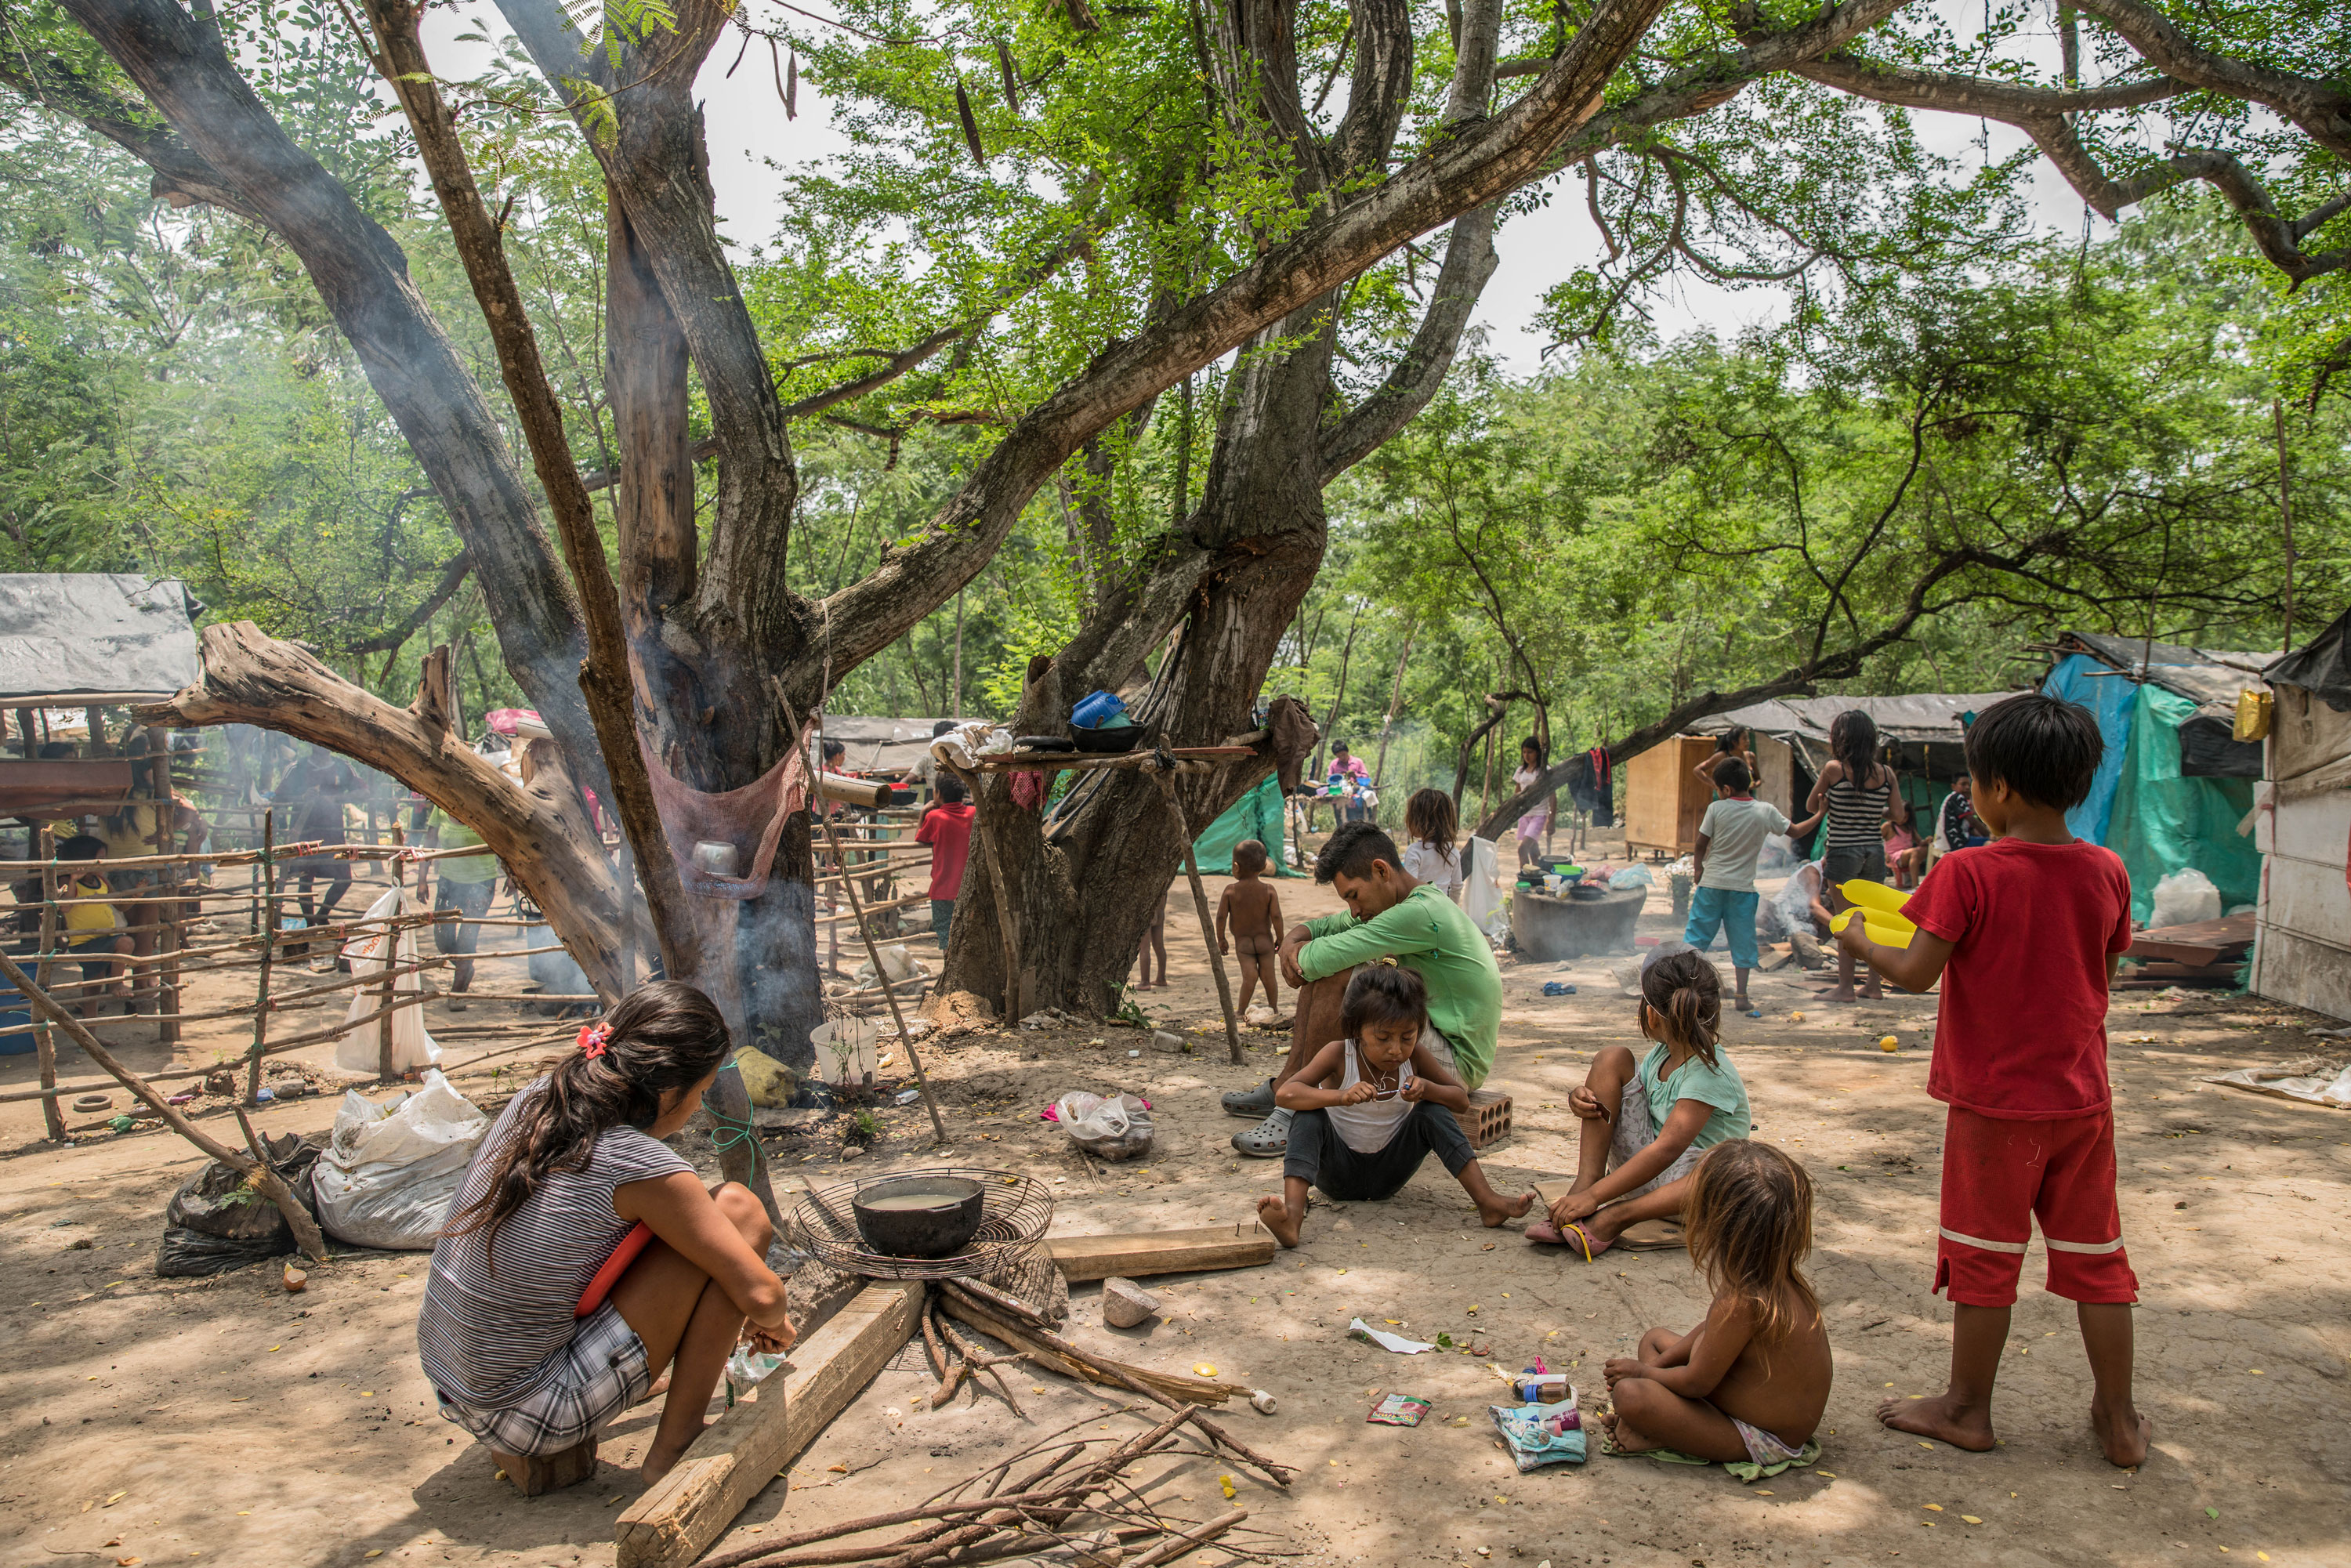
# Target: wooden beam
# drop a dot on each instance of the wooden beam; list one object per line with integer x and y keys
{"x": 738, "y": 1454}
{"x": 1192, "y": 1252}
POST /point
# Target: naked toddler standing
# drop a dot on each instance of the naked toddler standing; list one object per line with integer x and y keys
{"x": 1253, "y": 910}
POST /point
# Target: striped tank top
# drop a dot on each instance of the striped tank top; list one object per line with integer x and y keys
{"x": 1855, "y": 814}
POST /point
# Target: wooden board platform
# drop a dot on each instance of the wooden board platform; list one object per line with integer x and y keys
{"x": 738, "y": 1454}
{"x": 1194, "y": 1250}
{"x": 2196, "y": 945}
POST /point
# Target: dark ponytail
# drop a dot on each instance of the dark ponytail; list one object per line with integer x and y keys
{"x": 661, "y": 1037}
{"x": 1683, "y": 989}
{"x": 1853, "y": 739}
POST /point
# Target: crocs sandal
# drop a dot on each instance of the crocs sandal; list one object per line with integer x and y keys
{"x": 1257, "y": 1102}
{"x": 1269, "y": 1140}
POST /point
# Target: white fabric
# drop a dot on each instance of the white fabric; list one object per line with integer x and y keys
{"x": 1481, "y": 897}
{"x": 1735, "y": 832}
{"x": 412, "y": 1045}
{"x": 967, "y": 743}
{"x": 1791, "y": 908}
{"x": 1423, "y": 863}
{"x": 1369, "y": 1127}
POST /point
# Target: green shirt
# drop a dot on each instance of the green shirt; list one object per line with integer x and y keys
{"x": 1426, "y": 932}
{"x": 451, "y": 834}
{"x": 1718, "y": 1086}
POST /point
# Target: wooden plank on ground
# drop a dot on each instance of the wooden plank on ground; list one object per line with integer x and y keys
{"x": 738, "y": 1454}
{"x": 1196, "y": 1250}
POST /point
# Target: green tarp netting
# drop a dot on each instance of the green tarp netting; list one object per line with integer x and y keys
{"x": 1256, "y": 815}
{"x": 2163, "y": 822}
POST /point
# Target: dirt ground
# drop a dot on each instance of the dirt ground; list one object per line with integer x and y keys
{"x": 162, "y": 1421}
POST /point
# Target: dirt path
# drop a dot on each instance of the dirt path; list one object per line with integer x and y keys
{"x": 168, "y": 1421}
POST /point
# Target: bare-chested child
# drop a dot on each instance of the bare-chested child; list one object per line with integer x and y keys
{"x": 1371, "y": 1107}
{"x": 1752, "y": 1380}
{"x": 1253, "y": 910}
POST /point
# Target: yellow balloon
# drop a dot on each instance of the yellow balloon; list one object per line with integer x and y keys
{"x": 1873, "y": 895}
{"x": 1891, "y": 929}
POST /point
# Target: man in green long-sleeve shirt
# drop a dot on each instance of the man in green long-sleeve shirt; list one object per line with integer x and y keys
{"x": 1394, "y": 915}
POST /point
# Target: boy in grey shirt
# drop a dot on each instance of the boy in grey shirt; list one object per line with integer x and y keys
{"x": 1729, "y": 841}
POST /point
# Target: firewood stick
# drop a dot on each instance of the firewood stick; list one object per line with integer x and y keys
{"x": 305, "y": 1229}
{"x": 818, "y": 1533}
{"x": 265, "y": 1178}
{"x": 1175, "y": 1546}
{"x": 931, "y": 1340}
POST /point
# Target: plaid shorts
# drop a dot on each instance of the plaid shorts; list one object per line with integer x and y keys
{"x": 589, "y": 1381}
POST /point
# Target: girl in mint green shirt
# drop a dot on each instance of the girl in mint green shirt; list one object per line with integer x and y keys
{"x": 1645, "y": 1123}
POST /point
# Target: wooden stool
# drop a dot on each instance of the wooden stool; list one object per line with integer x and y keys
{"x": 1489, "y": 1117}
{"x": 533, "y": 1474}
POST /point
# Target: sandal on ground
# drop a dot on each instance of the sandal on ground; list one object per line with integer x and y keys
{"x": 1269, "y": 1140}
{"x": 1255, "y": 1101}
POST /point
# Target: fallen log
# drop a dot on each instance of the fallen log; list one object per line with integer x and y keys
{"x": 1199, "y": 1249}
{"x": 738, "y": 1454}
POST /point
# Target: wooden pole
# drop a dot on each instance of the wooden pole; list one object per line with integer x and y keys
{"x": 261, "y": 995}
{"x": 873, "y": 951}
{"x": 52, "y": 1120}
{"x": 167, "y": 916}
{"x": 1395, "y": 704}
{"x": 383, "y": 1070}
{"x": 270, "y": 1184}
{"x": 1207, "y": 924}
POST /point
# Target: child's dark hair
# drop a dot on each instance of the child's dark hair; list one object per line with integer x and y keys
{"x": 1732, "y": 775}
{"x": 665, "y": 1035}
{"x": 1249, "y": 857}
{"x": 1535, "y": 744}
{"x": 1683, "y": 989}
{"x": 2044, "y": 749}
{"x": 1382, "y": 993}
{"x": 1749, "y": 1224}
{"x": 1350, "y": 849}
{"x": 1853, "y": 739}
{"x": 1430, "y": 817}
{"x": 948, "y": 788}
{"x": 81, "y": 847}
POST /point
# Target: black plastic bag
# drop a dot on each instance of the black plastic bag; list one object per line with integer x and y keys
{"x": 215, "y": 1222}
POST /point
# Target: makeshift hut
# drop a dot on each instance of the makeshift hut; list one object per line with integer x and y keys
{"x": 2175, "y": 788}
{"x": 1922, "y": 735}
{"x": 881, "y": 746}
{"x": 2302, "y": 931}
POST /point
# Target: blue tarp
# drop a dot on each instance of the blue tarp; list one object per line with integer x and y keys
{"x": 2110, "y": 698}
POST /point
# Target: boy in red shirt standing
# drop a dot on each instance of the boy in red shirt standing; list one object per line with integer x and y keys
{"x": 2024, "y": 933}
{"x": 947, "y": 827}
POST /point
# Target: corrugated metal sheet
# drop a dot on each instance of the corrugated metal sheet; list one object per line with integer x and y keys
{"x": 2208, "y": 677}
{"x": 64, "y": 634}
{"x": 880, "y": 744}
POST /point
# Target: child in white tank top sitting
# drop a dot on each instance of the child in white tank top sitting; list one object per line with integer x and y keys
{"x": 1372, "y": 1106}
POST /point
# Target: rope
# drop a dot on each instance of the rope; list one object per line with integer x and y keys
{"x": 725, "y": 1134}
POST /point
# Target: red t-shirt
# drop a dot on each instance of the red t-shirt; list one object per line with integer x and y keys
{"x": 2021, "y": 1033}
{"x": 947, "y": 829}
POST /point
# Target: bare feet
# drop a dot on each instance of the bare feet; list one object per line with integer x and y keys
{"x": 1840, "y": 994}
{"x": 1275, "y": 1216}
{"x": 659, "y": 1461}
{"x": 2122, "y": 1433}
{"x": 1503, "y": 1208}
{"x": 1943, "y": 1418}
{"x": 1627, "y": 1440}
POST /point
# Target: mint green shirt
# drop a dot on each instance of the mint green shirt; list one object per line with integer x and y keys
{"x": 1426, "y": 932}
{"x": 1718, "y": 1086}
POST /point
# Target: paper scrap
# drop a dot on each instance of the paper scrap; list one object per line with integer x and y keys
{"x": 1386, "y": 1340}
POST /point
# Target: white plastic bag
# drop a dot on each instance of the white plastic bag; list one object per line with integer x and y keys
{"x": 390, "y": 1171}
{"x": 1631, "y": 876}
{"x": 2185, "y": 897}
{"x": 1117, "y": 1128}
{"x": 1481, "y": 897}
{"x": 412, "y": 1048}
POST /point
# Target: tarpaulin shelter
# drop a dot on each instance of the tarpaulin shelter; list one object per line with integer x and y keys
{"x": 2302, "y": 930}
{"x": 2174, "y": 784}
{"x": 86, "y": 639}
{"x": 880, "y": 744}
{"x": 1256, "y": 815}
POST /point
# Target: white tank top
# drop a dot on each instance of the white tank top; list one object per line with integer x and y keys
{"x": 1369, "y": 1127}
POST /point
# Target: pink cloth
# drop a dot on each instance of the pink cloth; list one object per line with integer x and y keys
{"x": 751, "y": 819}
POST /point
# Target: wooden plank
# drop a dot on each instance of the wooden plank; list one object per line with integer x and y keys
{"x": 1196, "y": 1250}
{"x": 738, "y": 1454}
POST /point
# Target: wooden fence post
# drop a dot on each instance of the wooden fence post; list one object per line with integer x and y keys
{"x": 52, "y": 1120}
{"x": 268, "y": 951}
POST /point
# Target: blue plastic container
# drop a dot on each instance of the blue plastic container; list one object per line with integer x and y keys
{"x": 1094, "y": 709}
{"x": 16, "y": 1022}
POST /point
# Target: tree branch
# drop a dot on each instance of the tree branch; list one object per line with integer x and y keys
{"x": 452, "y": 577}
{"x": 2321, "y": 109}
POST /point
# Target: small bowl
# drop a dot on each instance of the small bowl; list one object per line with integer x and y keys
{"x": 1109, "y": 741}
{"x": 919, "y": 1215}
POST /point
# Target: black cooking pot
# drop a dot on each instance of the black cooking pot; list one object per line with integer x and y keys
{"x": 918, "y": 1216}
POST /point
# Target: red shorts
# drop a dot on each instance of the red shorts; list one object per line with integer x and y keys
{"x": 1998, "y": 1177}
